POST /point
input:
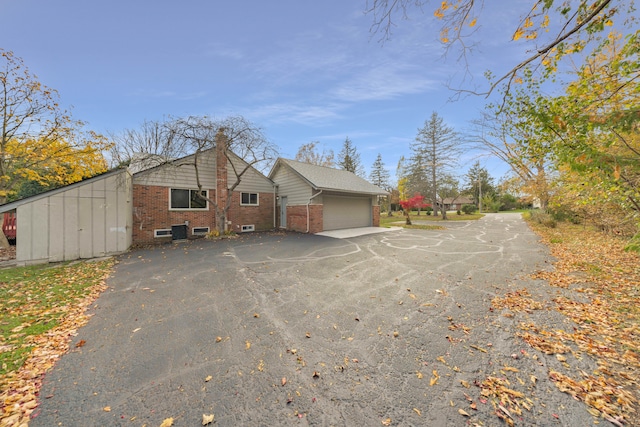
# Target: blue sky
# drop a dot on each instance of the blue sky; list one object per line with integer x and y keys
{"x": 302, "y": 70}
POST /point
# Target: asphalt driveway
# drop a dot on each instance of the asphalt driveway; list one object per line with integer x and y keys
{"x": 392, "y": 328}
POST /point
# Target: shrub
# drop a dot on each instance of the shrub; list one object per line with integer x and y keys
{"x": 542, "y": 217}
{"x": 458, "y": 212}
{"x": 468, "y": 209}
{"x": 634, "y": 244}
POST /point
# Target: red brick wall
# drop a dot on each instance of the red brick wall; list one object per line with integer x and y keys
{"x": 376, "y": 216}
{"x": 151, "y": 212}
{"x": 297, "y": 218}
{"x": 261, "y": 216}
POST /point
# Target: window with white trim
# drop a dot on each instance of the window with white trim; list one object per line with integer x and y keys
{"x": 187, "y": 199}
{"x": 163, "y": 232}
{"x": 199, "y": 231}
{"x": 249, "y": 199}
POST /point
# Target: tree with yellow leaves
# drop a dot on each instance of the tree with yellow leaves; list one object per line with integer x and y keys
{"x": 40, "y": 143}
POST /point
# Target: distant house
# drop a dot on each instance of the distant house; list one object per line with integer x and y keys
{"x": 314, "y": 198}
{"x": 455, "y": 203}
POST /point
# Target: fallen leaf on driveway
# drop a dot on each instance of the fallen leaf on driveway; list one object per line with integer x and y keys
{"x": 107, "y": 409}
{"x": 417, "y": 411}
{"x": 463, "y": 412}
{"x": 209, "y": 377}
{"x": 284, "y": 381}
{"x": 434, "y": 379}
{"x": 247, "y": 345}
{"x": 207, "y": 419}
{"x": 386, "y": 422}
{"x": 168, "y": 422}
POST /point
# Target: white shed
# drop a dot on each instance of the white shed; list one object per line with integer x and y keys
{"x": 87, "y": 219}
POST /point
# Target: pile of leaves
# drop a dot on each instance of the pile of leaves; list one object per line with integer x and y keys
{"x": 41, "y": 308}
{"x": 605, "y": 283}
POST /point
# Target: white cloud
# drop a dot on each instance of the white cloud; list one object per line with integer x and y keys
{"x": 385, "y": 81}
{"x": 292, "y": 112}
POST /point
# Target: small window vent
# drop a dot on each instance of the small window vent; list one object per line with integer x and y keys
{"x": 199, "y": 231}
{"x": 246, "y": 228}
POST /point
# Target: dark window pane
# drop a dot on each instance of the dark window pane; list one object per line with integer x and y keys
{"x": 196, "y": 201}
{"x": 179, "y": 199}
{"x": 249, "y": 198}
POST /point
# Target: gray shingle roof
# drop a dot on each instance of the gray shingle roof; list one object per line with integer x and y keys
{"x": 324, "y": 178}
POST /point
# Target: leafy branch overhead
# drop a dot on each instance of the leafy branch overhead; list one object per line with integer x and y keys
{"x": 549, "y": 30}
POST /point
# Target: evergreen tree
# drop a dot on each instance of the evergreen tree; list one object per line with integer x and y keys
{"x": 379, "y": 174}
{"x": 349, "y": 158}
{"x": 479, "y": 183}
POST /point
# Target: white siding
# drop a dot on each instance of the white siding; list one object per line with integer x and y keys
{"x": 293, "y": 187}
{"x": 181, "y": 174}
{"x": 175, "y": 176}
{"x": 86, "y": 220}
{"x": 252, "y": 180}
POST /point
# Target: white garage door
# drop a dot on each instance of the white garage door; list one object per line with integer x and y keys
{"x": 346, "y": 212}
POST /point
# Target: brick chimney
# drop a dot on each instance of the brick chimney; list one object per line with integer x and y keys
{"x": 221, "y": 169}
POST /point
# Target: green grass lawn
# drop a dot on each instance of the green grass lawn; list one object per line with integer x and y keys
{"x": 34, "y": 300}
{"x": 398, "y": 220}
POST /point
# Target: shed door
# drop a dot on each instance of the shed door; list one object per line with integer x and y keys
{"x": 345, "y": 212}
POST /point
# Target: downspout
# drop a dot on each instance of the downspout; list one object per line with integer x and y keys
{"x": 308, "y": 203}
{"x": 275, "y": 207}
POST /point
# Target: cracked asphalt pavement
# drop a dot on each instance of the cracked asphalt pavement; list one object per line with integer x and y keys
{"x": 394, "y": 328}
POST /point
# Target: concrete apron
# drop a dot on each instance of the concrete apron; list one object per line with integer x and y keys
{"x": 355, "y": 232}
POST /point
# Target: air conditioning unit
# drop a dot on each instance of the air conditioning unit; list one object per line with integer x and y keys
{"x": 246, "y": 228}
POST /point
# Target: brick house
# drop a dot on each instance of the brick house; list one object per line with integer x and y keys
{"x": 146, "y": 204}
{"x": 166, "y": 205}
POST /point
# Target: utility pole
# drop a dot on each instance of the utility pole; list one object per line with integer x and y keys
{"x": 479, "y": 193}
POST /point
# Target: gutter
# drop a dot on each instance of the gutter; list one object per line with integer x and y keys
{"x": 308, "y": 203}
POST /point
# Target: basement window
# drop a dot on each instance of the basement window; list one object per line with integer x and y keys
{"x": 164, "y": 232}
{"x": 249, "y": 199}
{"x": 199, "y": 231}
{"x": 187, "y": 199}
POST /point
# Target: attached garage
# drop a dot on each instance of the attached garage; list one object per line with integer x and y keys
{"x": 314, "y": 198}
{"x": 345, "y": 212}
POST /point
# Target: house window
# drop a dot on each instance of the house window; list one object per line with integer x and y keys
{"x": 187, "y": 199}
{"x": 249, "y": 199}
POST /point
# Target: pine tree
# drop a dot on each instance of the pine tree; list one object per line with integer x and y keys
{"x": 349, "y": 158}
{"x": 379, "y": 174}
